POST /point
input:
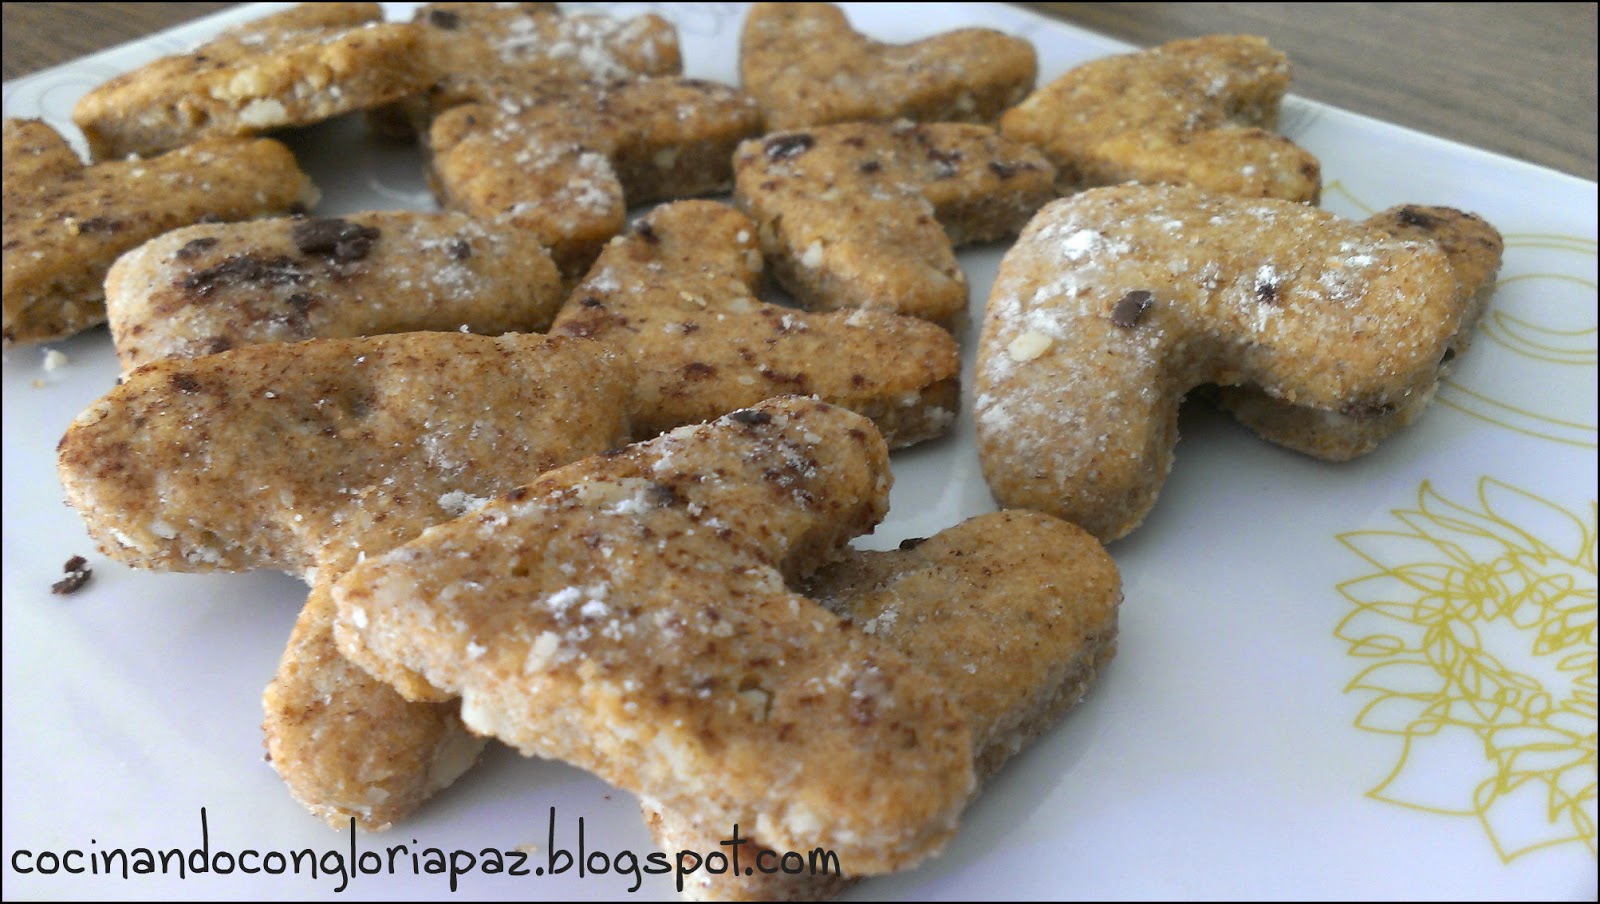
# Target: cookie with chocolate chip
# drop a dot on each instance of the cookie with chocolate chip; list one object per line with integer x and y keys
{"x": 65, "y": 222}
{"x": 1015, "y": 613}
{"x": 1116, "y": 302}
{"x": 1474, "y": 248}
{"x": 488, "y": 52}
{"x": 867, "y": 215}
{"x": 566, "y": 164}
{"x": 631, "y": 614}
{"x": 678, "y": 295}
{"x": 209, "y": 288}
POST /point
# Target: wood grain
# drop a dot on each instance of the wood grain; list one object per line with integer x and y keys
{"x": 1518, "y": 79}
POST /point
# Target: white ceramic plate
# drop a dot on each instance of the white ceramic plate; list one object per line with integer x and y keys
{"x": 1374, "y": 679}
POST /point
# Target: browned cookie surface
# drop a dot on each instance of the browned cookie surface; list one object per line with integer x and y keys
{"x": 210, "y": 288}
{"x": 865, "y": 215}
{"x": 629, "y": 614}
{"x": 1015, "y": 613}
{"x": 677, "y": 294}
{"x": 807, "y": 67}
{"x": 307, "y": 455}
{"x": 1118, "y": 301}
{"x": 346, "y": 744}
{"x": 294, "y": 68}
{"x": 485, "y": 52}
{"x": 1474, "y": 248}
{"x": 65, "y": 223}
{"x": 565, "y": 164}
{"x": 1195, "y": 112}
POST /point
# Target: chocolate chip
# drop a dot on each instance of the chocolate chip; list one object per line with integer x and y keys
{"x": 458, "y": 249}
{"x": 78, "y": 571}
{"x": 99, "y": 224}
{"x": 192, "y": 249}
{"x": 945, "y": 163}
{"x": 665, "y": 496}
{"x": 871, "y": 166}
{"x": 517, "y": 495}
{"x": 589, "y": 301}
{"x": 218, "y": 344}
{"x": 443, "y": 18}
{"x": 783, "y": 147}
{"x": 302, "y": 301}
{"x": 647, "y": 232}
{"x": 184, "y": 383}
{"x": 698, "y": 370}
{"x": 341, "y": 240}
{"x": 912, "y": 542}
{"x": 795, "y": 383}
{"x": 1130, "y": 309}
{"x": 751, "y": 417}
{"x": 1414, "y": 216}
{"x": 1267, "y": 291}
{"x": 244, "y": 268}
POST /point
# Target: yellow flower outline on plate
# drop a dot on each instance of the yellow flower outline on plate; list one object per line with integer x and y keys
{"x": 1480, "y": 629}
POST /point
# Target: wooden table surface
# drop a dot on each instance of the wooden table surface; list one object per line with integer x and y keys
{"x": 1516, "y": 79}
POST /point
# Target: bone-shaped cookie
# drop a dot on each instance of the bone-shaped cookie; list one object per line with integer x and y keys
{"x": 308, "y": 457}
{"x": 482, "y": 52}
{"x": 1116, "y": 302}
{"x": 628, "y": 614}
{"x": 864, "y": 215}
{"x": 1474, "y": 249}
{"x": 565, "y": 162}
{"x": 65, "y": 223}
{"x": 806, "y": 66}
{"x": 209, "y": 288}
{"x": 1197, "y": 112}
{"x": 294, "y": 68}
{"x": 1015, "y": 613}
{"x": 677, "y": 294}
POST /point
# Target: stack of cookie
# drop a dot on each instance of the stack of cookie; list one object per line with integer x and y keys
{"x": 489, "y": 557}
